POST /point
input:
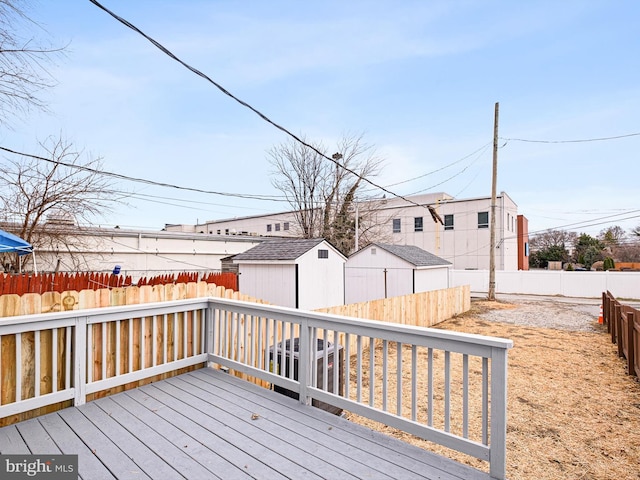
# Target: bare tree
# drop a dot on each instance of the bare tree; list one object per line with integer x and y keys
{"x": 612, "y": 235}
{"x": 23, "y": 62}
{"x": 323, "y": 194}
{"x": 43, "y": 202}
{"x": 552, "y": 238}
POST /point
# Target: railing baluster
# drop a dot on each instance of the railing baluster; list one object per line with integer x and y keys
{"x": 337, "y": 364}
{"x": 485, "y": 400}
{"x": 130, "y": 355}
{"x": 36, "y": 379}
{"x": 359, "y": 369}
{"x": 372, "y": 370}
{"x": 18, "y": 367}
{"x": 260, "y": 363}
{"x": 185, "y": 335}
{"x": 143, "y": 343}
{"x": 430, "y": 387}
{"x": 465, "y": 395}
{"x": 104, "y": 350}
{"x": 325, "y": 360}
{"x": 164, "y": 338}
{"x": 246, "y": 339}
{"x": 154, "y": 341}
{"x": 399, "y": 379}
{"x": 54, "y": 360}
{"x": 238, "y": 322}
{"x": 118, "y": 347}
{"x": 269, "y": 363}
{"x": 283, "y": 349}
{"x": 314, "y": 356}
{"x": 291, "y": 351}
{"x": 67, "y": 359}
{"x": 347, "y": 364}
{"x": 414, "y": 383}
{"x": 385, "y": 378}
{"x": 447, "y": 391}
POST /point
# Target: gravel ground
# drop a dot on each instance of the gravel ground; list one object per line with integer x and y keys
{"x": 548, "y": 313}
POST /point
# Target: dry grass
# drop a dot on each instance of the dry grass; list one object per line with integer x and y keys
{"x": 572, "y": 410}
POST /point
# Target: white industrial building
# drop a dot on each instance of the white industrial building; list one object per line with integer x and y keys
{"x": 382, "y": 271}
{"x": 296, "y": 273}
{"x": 462, "y": 239}
{"x": 139, "y": 253}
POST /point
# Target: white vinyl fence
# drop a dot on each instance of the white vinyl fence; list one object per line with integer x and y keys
{"x": 557, "y": 282}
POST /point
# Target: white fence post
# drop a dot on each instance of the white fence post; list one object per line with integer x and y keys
{"x": 305, "y": 363}
{"x": 498, "y": 436}
{"x": 80, "y": 361}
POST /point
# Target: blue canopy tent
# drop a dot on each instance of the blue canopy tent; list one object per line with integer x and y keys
{"x": 10, "y": 243}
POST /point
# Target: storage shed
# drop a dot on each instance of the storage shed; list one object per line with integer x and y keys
{"x": 382, "y": 270}
{"x": 298, "y": 273}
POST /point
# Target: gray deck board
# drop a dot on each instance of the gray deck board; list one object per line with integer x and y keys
{"x": 90, "y": 468}
{"x": 206, "y": 425}
{"x": 347, "y": 457}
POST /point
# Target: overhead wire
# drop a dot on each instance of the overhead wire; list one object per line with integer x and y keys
{"x": 167, "y": 52}
{"x": 273, "y": 198}
{"x": 583, "y": 140}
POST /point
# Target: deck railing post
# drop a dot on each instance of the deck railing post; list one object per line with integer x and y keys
{"x": 498, "y": 436}
{"x": 208, "y": 330}
{"x": 79, "y": 349}
{"x": 304, "y": 361}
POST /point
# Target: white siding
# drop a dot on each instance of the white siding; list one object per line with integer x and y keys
{"x": 367, "y": 274}
{"x": 273, "y": 283}
{"x": 435, "y": 278}
{"x": 320, "y": 280}
{"x": 143, "y": 253}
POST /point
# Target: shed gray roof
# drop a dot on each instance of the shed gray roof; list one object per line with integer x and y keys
{"x": 281, "y": 249}
{"x": 414, "y": 255}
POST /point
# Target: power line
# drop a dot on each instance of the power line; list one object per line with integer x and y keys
{"x": 119, "y": 176}
{"x": 442, "y": 168}
{"x": 600, "y": 139}
{"x": 162, "y": 48}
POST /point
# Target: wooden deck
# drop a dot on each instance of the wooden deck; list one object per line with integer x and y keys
{"x": 207, "y": 425}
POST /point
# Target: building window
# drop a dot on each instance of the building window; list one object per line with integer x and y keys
{"x": 226, "y": 231}
{"x": 285, "y": 226}
{"x": 483, "y": 219}
{"x": 417, "y": 224}
{"x": 448, "y": 222}
{"x": 373, "y": 251}
{"x": 396, "y": 225}
{"x": 277, "y": 227}
{"x": 268, "y": 227}
{"x": 219, "y": 231}
{"x": 323, "y": 253}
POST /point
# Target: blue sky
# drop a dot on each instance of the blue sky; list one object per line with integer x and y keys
{"x": 418, "y": 77}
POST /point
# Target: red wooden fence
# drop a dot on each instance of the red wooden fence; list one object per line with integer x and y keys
{"x": 61, "y": 282}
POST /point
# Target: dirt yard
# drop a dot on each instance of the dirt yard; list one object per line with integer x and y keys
{"x": 573, "y": 413}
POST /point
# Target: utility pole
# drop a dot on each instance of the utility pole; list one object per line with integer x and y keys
{"x": 492, "y": 234}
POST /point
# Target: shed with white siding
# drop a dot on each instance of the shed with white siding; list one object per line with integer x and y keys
{"x": 297, "y": 273}
{"x": 382, "y": 271}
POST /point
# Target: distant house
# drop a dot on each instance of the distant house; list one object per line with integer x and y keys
{"x": 382, "y": 270}
{"x": 298, "y": 273}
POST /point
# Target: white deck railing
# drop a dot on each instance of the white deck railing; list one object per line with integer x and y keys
{"x": 446, "y": 387}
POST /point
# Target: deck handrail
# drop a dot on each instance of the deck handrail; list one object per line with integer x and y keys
{"x": 70, "y": 355}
